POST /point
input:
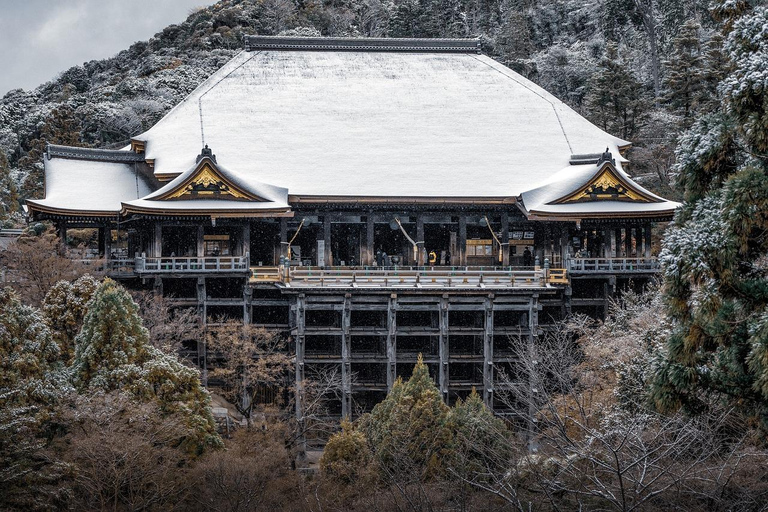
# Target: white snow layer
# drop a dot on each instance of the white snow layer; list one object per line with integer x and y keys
{"x": 329, "y": 123}
{"x": 87, "y": 185}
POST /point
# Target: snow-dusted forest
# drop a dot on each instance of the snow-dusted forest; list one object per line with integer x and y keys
{"x": 664, "y": 405}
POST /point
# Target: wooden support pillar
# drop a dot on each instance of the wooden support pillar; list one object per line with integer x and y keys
{"x": 157, "y": 249}
{"x": 346, "y": 370}
{"x": 443, "y": 349}
{"x": 421, "y": 251}
{"x": 391, "y": 341}
{"x": 488, "y": 354}
{"x": 298, "y": 324}
{"x": 101, "y": 239}
{"x": 628, "y": 242}
{"x": 107, "y": 241}
{"x": 533, "y": 323}
{"x": 328, "y": 260}
{"x": 648, "y": 240}
{"x": 245, "y": 243}
{"x": 202, "y": 354}
{"x": 505, "y": 239}
{"x": 462, "y": 240}
{"x": 617, "y": 240}
{"x": 247, "y": 300}
{"x": 283, "y": 237}
{"x": 369, "y": 241}
{"x": 200, "y": 241}
{"x": 63, "y": 233}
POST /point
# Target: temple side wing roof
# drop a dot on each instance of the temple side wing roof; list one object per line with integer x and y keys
{"x": 89, "y": 182}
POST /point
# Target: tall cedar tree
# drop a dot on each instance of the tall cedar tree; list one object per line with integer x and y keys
{"x": 716, "y": 255}
{"x": 113, "y": 352}
{"x": 683, "y": 81}
{"x": 615, "y": 100}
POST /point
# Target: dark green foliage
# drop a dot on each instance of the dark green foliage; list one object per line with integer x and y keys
{"x": 616, "y": 99}
{"x": 112, "y": 352}
{"x": 684, "y": 73}
{"x": 716, "y": 256}
{"x": 64, "y": 307}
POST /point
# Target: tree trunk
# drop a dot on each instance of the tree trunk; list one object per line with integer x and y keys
{"x": 645, "y": 8}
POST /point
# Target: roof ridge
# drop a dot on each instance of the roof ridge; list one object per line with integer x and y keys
{"x": 371, "y": 44}
{"x": 102, "y": 155}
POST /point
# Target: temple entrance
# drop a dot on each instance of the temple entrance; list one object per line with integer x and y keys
{"x": 265, "y": 242}
{"x": 304, "y": 245}
{"x": 346, "y": 240}
{"x": 179, "y": 241}
{"x": 440, "y": 239}
{"x": 389, "y": 240}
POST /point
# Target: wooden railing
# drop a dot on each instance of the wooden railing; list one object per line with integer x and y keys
{"x": 193, "y": 264}
{"x": 116, "y": 267}
{"x": 613, "y": 265}
{"x": 412, "y": 277}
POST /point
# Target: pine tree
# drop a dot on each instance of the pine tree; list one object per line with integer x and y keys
{"x": 64, "y": 307}
{"x": 684, "y": 74}
{"x": 615, "y": 101}
{"x": 408, "y": 431}
{"x": 346, "y": 457}
{"x": 112, "y": 352}
{"x": 716, "y": 255}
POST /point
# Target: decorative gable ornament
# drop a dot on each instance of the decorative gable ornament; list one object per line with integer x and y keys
{"x": 208, "y": 182}
{"x": 607, "y": 185}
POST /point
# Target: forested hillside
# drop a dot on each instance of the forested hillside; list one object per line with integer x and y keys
{"x": 641, "y": 69}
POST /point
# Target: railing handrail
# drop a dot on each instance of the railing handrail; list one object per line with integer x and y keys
{"x": 614, "y": 264}
{"x": 193, "y": 263}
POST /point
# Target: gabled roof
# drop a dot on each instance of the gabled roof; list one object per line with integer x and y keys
{"x": 210, "y": 188}
{"x": 589, "y": 190}
{"x": 89, "y": 182}
{"x": 374, "y": 118}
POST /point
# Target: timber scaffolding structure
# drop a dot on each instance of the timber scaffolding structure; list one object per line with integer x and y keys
{"x": 372, "y": 199}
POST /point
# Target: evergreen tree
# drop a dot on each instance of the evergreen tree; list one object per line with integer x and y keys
{"x": 404, "y": 21}
{"x": 346, "y": 457}
{"x": 64, "y": 307}
{"x": 30, "y": 384}
{"x": 112, "y": 352}
{"x": 482, "y": 442}
{"x": 9, "y": 197}
{"x": 408, "y": 430}
{"x": 715, "y": 270}
{"x": 615, "y": 101}
{"x": 684, "y": 74}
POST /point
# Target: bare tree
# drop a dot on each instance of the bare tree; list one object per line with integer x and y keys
{"x": 252, "y": 363}
{"x": 123, "y": 454}
{"x": 169, "y": 327}
{"x": 36, "y": 263}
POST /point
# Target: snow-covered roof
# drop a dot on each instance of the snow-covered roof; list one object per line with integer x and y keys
{"x": 546, "y": 197}
{"x": 91, "y": 183}
{"x": 261, "y": 196}
{"x": 348, "y": 121}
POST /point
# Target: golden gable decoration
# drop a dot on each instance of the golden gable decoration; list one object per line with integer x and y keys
{"x": 207, "y": 181}
{"x": 607, "y": 185}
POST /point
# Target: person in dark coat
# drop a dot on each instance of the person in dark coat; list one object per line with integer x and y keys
{"x": 379, "y": 259}
{"x": 527, "y": 260}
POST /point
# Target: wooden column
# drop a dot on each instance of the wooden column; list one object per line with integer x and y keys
{"x": 327, "y": 238}
{"x": 200, "y": 241}
{"x": 298, "y": 330}
{"x": 488, "y": 354}
{"x": 505, "y": 239}
{"x": 246, "y": 241}
{"x": 421, "y": 248}
{"x": 462, "y": 240}
{"x": 369, "y": 241}
{"x": 391, "y": 341}
{"x": 158, "y": 245}
{"x": 628, "y": 241}
{"x": 63, "y": 233}
{"x": 617, "y": 246}
{"x": 346, "y": 370}
{"x": 443, "y": 349}
{"x": 648, "y": 239}
{"x": 283, "y": 237}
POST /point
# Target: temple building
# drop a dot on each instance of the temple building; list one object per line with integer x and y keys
{"x": 375, "y": 199}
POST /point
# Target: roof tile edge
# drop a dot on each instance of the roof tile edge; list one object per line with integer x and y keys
{"x": 369, "y": 44}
